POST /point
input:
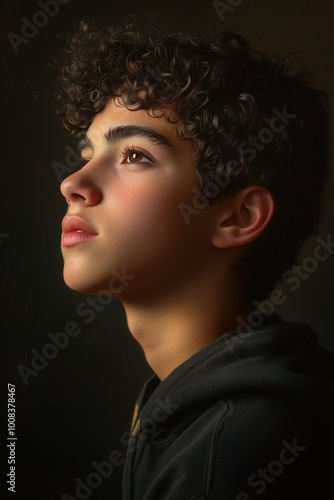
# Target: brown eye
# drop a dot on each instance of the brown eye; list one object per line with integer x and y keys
{"x": 135, "y": 157}
{"x": 132, "y": 156}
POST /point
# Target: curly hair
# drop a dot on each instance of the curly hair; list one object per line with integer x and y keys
{"x": 227, "y": 98}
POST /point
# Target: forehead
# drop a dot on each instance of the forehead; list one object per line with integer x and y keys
{"x": 116, "y": 113}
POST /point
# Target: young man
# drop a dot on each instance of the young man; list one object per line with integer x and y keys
{"x": 203, "y": 168}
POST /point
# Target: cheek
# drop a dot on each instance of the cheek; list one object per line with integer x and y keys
{"x": 152, "y": 210}
{"x": 146, "y": 226}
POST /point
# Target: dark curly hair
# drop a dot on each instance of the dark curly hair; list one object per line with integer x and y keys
{"x": 228, "y": 98}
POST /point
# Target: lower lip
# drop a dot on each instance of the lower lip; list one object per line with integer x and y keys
{"x": 70, "y": 239}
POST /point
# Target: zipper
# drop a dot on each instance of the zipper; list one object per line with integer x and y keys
{"x": 126, "y": 472}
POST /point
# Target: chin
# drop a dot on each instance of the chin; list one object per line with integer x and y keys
{"x": 84, "y": 283}
{"x": 76, "y": 283}
{"x": 97, "y": 279}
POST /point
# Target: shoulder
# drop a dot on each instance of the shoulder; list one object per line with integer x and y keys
{"x": 266, "y": 443}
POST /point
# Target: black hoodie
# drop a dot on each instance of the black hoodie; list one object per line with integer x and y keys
{"x": 246, "y": 417}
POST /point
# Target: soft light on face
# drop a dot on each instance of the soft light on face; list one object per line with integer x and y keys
{"x": 128, "y": 194}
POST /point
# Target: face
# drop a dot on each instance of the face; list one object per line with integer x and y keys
{"x": 123, "y": 215}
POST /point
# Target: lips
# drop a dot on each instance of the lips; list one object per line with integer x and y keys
{"x": 75, "y": 231}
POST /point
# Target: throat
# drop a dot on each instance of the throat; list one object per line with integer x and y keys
{"x": 170, "y": 337}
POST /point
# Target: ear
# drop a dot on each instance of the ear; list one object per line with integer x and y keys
{"x": 244, "y": 218}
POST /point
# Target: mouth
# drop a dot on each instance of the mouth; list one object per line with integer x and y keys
{"x": 75, "y": 230}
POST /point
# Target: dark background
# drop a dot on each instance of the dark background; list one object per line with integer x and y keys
{"x": 75, "y": 410}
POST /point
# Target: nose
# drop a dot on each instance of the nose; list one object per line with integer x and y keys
{"x": 81, "y": 188}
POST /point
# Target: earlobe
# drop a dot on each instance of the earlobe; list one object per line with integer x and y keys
{"x": 250, "y": 212}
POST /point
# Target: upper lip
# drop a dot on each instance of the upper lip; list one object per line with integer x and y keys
{"x": 74, "y": 223}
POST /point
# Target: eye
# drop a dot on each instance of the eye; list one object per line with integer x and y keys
{"x": 135, "y": 157}
{"x": 132, "y": 155}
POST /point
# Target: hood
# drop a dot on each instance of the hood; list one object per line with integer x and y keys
{"x": 278, "y": 358}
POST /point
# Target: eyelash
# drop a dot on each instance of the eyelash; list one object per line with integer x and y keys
{"x": 124, "y": 154}
{"x": 131, "y": 149}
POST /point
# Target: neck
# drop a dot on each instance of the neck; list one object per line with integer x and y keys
{"x": 173, "y": 327}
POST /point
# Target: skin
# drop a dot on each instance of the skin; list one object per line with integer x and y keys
{"x": 183, "y": 293}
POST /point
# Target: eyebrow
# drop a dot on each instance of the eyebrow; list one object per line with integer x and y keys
{"x": 122, "y": 132}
